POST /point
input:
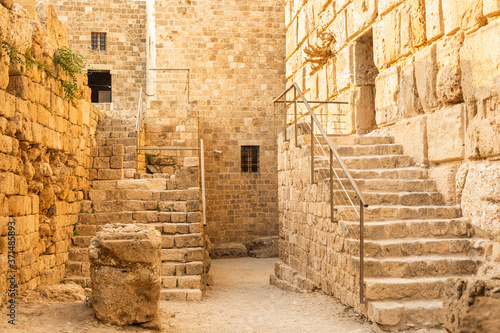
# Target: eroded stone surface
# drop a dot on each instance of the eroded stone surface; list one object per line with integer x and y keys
{"x": 125, "y": 273}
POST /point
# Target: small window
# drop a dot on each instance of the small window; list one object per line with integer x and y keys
{"x": 100, "y": 84}
{"x": 250, "y": 159}
{"x": 99, "y": 41}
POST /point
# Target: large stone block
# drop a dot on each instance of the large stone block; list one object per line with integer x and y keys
{"x": 491, "y": 7}
{"x": 471, "y": 305}
{"x": 126, "y": 274}
{"x": 364, "y": 67}
{"x": 480, "y": 199}
{"x": 445, "y": 177}
{"x": 445, "y": 134}
{"x": 465, "y": 14}
{"x": 479, "y": 63}
{"x": 412, "y": 134}
{"x": 291, "y": 38}
{"x": 344, "y": 68}
{"x": 409, "y": 102}
{"x": 360, "y": 14}
{"x": 449, "y": 76}
{"x": 425, "y": 76}
{"x": 433, "y": 19}
{"x": 364, "y": 110}
{"x": 387, "y": 96}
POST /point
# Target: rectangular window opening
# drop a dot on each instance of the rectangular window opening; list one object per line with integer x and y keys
{"x": 99, "y": 41}
{"x": 100, "y": 84}
{"x": 250, "y": 159}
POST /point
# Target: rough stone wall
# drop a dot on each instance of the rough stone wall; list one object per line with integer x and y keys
{"x": 124, "y": 21}
{"x": 234, "y": 50}
{"x": 430, "y": 79}
{"x": 44, "y": 148}
{"x": 316, "y": 252}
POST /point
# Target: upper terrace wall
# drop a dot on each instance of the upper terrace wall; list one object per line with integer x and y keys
{"x": 124, "y": 22}
{"x": 424, "y": 71}
{"x": 44, "y": 148}
{"x": 235, "y": 53}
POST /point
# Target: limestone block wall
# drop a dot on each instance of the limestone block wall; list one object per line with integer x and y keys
{"x": 235, "y": 53}
{"x": 45, "y": 142}
{"x": 316, "y": 253}
{"x": 423, "y": 71}
{"x": 124, "y": 22}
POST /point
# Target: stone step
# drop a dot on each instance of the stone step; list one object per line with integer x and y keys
{"x": 83, "y": 280}
{"x": 368, "y": 150}
{"x": 115, "y": 134}
{"x": 81, "y": 241}
{"x": 131, "y": 184}
{"x": 384, "y": 199}
{"x": 181, "y": 294}
{"x": 410, "y": 247}
{"x": 150, "y": 175}
{"x": 107, "y": 142}
{"x": 101, "y": 218}
{"x": 173, "y": 268}
{"x": 145, "y": 195}
{"x": 396, "y": 173}
{"x": 420, "y": 228}
{"x": 381, "y": 185}
{"x": 117, "y": 122}
{"x": 375, "y": 162}
{"x": 419, "y": 266}
{"x": 187, "y": 249}
{"x": 399, "y": 289}
{"x": 140, "y": 205}
{"x": 398, "y": 212}
{"x": 181, "y": 282}
{"x": 352, "y": 140}
{"x": 78, "y": 254}
{"x": 419, "y": 313}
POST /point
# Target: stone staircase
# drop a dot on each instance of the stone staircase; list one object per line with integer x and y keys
{"x": 120, "y": 195}
{"x": 413, "y": 241}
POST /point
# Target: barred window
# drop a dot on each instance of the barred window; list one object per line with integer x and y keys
{"x": 99, "y": 41}
{"x": 250, "y": 159}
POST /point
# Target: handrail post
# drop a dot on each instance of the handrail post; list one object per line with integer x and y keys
{"x": 312, "y": 150}
{"x": 295, "y": 111}
{"x": 361, "y": 254}
{"x": 286, "y": 140}
{"x": 202, "y": 164}
{"x": 331, "y": 188}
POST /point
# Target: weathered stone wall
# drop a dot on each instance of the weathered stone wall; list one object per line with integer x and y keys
{"x": 234, "y": 50}
{"x": 44, "y": 147}
{"x": 124, "y": 21}
{"x": 423, "y": 71}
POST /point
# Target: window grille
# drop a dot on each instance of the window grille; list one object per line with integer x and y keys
{"x": 99, "y": 41}
{"x": 250, "y": 159}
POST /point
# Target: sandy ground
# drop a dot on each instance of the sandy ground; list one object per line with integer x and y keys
{"x": 241, "y": 300}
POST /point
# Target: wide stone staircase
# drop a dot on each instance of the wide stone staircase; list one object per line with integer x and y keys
{"x": 120, "y": 195}
{"x": 413, "y": 241}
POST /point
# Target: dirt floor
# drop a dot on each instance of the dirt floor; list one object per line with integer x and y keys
{"x": 241, "y": 300}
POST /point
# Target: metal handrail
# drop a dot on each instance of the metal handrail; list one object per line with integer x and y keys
{"x": 333, "y": 153}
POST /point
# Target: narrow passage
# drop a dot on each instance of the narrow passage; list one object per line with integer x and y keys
{"x": 241, "y": 300}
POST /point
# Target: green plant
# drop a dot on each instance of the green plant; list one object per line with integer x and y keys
{"x": 149, "y": 157}
{"x": 62, "y": 281}
{"x": 438, "y": 326}
{"x": 12, "y": 53}
{"x": 76, "y": 233}
{"x": 158, "y": 209}
{"x": 88, "y": 302}
{"x": 72, "y": 64}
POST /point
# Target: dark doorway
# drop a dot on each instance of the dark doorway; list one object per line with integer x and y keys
{"x": 100, "y": 83}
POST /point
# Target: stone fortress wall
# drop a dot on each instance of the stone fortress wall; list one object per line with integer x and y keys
{"x": 423, "y": 71}
{"x": 234, "y": 50}
{"x": 44, "y": 146}
{"x": 124, "y": 22}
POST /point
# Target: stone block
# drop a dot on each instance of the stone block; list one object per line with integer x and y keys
{"x": 126, "y": 275}
{"x": 344, "y": 68}
{"x": 409, "y": 102}
{"x": 387, "y": 96}
{"x": 425, "y": 77}
{"x": 445, "y": 177}
{"x": 449, "y": 76}
{"x": 360, "y": 14}
{"x": 7, "y": 3}
{"x": 412, "y": 134}
{"x": 479, "y": 195}
{"x": 445, "y": 134}
{"x": 471, "y": 305}
{"x": 364, "y": 67}
{"x": 186, "y": 177}
{"x": 385, "y": 5}
{"x": 265, "y": 247}
{"x": 291, "y": 38}
{"x": 434, "y": 19}
{"x": 491, "y": 8}
{"x": 228, "y": 250}
{"x": 116, "y": 162}
{"x": 109, "y": 174}
{"x": 188, "y": 240}
{"x": 364, "y": 109}
{"x": 478, "y": 62}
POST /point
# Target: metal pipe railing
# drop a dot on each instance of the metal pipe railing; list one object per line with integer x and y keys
{"x": 332, "y": 153}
